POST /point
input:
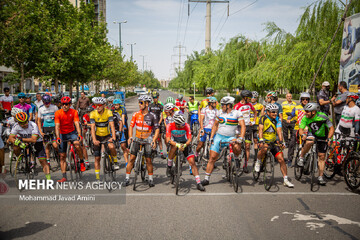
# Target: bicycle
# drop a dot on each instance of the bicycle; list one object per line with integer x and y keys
{"x": 139, "y": 165}
{"x": 351, "y": 169}
{"x": 88, "y": 140}
{"x": 177, "y": 171}
{"x": 108, "y": 163}
{"x": 194, "y": 122}
{"x": 23, "y": 165}
{"x": 205, "y": 152}
{"x": 54, "y": 154}
{"x": 73, "y": 161}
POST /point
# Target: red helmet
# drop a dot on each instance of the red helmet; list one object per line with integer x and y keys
{"x": 353, "y": 95}
{"x": 65, "y": 99}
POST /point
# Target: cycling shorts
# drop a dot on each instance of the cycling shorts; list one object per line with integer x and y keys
{"x": 254, "y": 131}
{"x": 49, "y": 130}
{"x": 124, "y": 136}
{"x": 216, "y": 143}
{"x": 207, "y": 132}
{"x": 248, "y": 134}
{"x": 188, "y": 153}
{"x": 97, "y": 149}
{"x": 135, "y": 148}
{"x": 66, "y": 137}
{"x": 40, "y": 150}
{"x": 321, "y": 144}
{"x": 274, "y": 149}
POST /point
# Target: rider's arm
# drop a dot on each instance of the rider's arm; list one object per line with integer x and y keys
{"x": 57, "y": 130}
{"x": 92, "y": 125}
{"x": 331, "y": 132}
{"x": 39, "y": 125}
{"x": 202, "y": 117}
{"x": 112, "y": 129}
{"x": 33, "y": 139}
{"x": 214, "y": 128}
{"x": 261, "y": 127}
{"x": 243, "y": 128}
{"x": 279, "y": 133}
{"x": 12, "y": 138}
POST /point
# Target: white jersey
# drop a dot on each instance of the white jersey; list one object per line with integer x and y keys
{"x": 38, "y": 103}
{"x": 228, "y": 122}
{"x": 27, "y": 132}
{"x": 348, "y": 117}
{"x": 210, "y": 116}
{"x": 11, "y": 121}
{"x": 47, "y": 115}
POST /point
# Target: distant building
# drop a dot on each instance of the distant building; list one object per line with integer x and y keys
{"x": 164, "y": 83}
{"x": 100, "y": 7}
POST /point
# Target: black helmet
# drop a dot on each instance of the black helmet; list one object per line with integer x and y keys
{"x": 209, "y": 91}
{"x": 246, "y": 93}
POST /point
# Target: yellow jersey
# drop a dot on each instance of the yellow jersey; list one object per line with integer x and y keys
{"x": 270, "y": 127}
{"x": 258, "y": 107}
{"x": 287, "y": 108}
{"x": 101, "y": 122}
{"x": 205, "y": 102}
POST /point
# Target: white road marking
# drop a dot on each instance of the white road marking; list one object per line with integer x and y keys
{"x": 274, "y": 218}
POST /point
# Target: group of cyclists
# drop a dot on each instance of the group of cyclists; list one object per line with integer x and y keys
{"x": 245, "y": 123}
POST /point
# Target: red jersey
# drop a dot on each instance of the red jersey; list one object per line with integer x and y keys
{"x": 66, "y": 120}
{"x": 245, "y": 109}
{"x": 180, "y": 104}
{"x": 86, "y": 118}
{"x": 180, "y": 135}
{"x": 6, "y": 102}
{"x": 144, "y": 124}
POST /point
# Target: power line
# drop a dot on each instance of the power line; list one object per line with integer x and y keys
{"x": 243, "y": 8}
{"x": 217, "y": 27}
{"x": 179, "y": 21}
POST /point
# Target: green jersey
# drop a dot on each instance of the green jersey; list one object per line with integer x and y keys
{"x": 193, "y": 106}
{"x": 318, "y": 125}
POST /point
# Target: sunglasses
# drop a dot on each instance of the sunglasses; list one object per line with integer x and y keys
{"x": 307, "y": 111}
{"x": 273, "y": 111}
{"x": 141, "y": 102}
{"x": 24, "y": 123}
{"x": 307, "y": 99}
{"x": 180, "y": 125}
{"x": 22, "y": 97}
{"x": 66, "y": 104}
{"x": 99, "y": 105}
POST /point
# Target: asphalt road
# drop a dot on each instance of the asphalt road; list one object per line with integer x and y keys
{"x": 331, "y": 212}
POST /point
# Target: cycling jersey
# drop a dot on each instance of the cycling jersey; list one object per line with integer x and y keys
{"x": 318, "y": 125}
{"x": 117, "y": 120}
{"x": 176, "y": 109}
{"x": 210, "y": 116}
{"x": 280, "y": 109}
{"x": 270, "y": 127}
{"x": 180, "y": 104}
{"x": 6, "y": 102}
{"x": 287, "y": 108}
{"x": 205, "y": 102}
{"x": 24, "y": 107}
{"x": 31, "y": 130}
{"x": 245, "y": 109}
{"x": 47, "y": 115}
{"x": 144, "y": 124}
{"x": 297, "y": 113}
{"x": 86, "y": 118}
{"x": 258, "y": 107}
{"x": 193, "y": 106}
{"x": 228, "y": 122}
{"x": 66, "y": 120}
{"x": 180, "y": 135}
{"x": 156, "y": 108}
{"x": 122, "y": 111}
{"x": 349, "y": 122}
{"x": 101, "y": 121}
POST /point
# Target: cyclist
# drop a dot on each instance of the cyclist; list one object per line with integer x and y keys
{"x": 120, "y": 109}
{"x": 321, "y": 128}
{"x": 65, "y": 119}
{"x": 169, "y": 111}
{"x": 350, "y": 117}
{"x": 157, "y": 107}
{"x": 297, "y": 113}
{"x": 29, "y": 133}
{"x": 272, "y": 97}
{"x": 110, "y": 104}
{"x": 269, "y": 130}
{"x": 6, "y": 102}
{"x": 226, "y": 123}
{"x": 181, "y": 103}
{"x": 86, "y": 127}
{"x": 260, "y": 109}
{"x": 11, "y": 121}
{"x": 23, "y": 105}
{"x": 100, "y": 120}
{"x": 144, "y": 122}
{"x": 245, "y": 107}
{"x": 191, "y": 107}
{"x": 207, "y": 120}
{"x": 46, "y": 123}
{"x": 178, "y": 135}
{"x": 33, "y": 117}
{"x": 209, "y": 92}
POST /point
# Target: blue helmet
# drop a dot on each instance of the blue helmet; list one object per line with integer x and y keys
{"x": 118, "y": 101}
{"x": 21, "y": 95}
{"x": 46, "y": 98}
{"x": 27, "y": 95}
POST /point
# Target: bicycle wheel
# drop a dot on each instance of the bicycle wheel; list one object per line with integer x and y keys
{"x": 71, "y": 165}
{"x": 195, "y": 128}
{"x": 256, "y": 175}
{"x": 137, "y": 169}
{"x": 143, "y": 169}
{"x": 236, "y": 175}
{"x": 298, "y": 171}
{"x": 330, "y": 165}
{"x": 268, "y": 171}
{"x": 312, "y": 172}
{"x": 54, "y": 158}
{"x": 12, "y": 163}
{"x": 22, "y": 170}
{"x": 178, "y": 166}
{"x": 173, "y": 171}
{"x": 109, "y": 173}
{"x": 352, "y": 172}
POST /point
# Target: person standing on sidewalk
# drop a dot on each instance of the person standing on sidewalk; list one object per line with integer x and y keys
{"x": 339, "y": 101}
{"x": 323, "y": 98}
{"x": 288, "y": 125}
{"x": 82, "y": 104}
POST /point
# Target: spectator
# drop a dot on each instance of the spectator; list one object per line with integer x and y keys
{"x": 103, "y": 95}
{"x": 82, "y": 104}
{"x": 6, "y": 101}
{"x": 288, "y": 125}
{"x": 323, "y": 98}
{"x": 33, "y": 116}
{"x": 38, "y": 102}
{"x": 339, "y": 101}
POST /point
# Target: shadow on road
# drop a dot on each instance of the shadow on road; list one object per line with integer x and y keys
{"x": 27, "y": 230}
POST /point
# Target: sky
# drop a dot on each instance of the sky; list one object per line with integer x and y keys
{"x": 158, "y": 27}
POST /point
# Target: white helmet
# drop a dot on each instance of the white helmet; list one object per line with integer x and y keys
{"x": 227, "y": 100}
{"x": 111, "y": 98}
{"x": 99, "y": 100}
{"x": 255, "y": 94}
{"x": 179, "y": 119}
{"x": 169, "y": 106}
{"x": 312, "y": 107}
{"x": 304, "y": 95}
{"x": 272, "y": 107}
{"x": 145, "y": 98}
{"x": 15, "y": 111}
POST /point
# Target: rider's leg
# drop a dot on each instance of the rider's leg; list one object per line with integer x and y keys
{"x": 97, "y": 167}
{"x": 130, "y": 165}
{"x": 210, "y": 166}
{"x": 321, "y": 163}
{"x": 280, "y": 157}
{"x": 113, "y": 152}
{"x": 125, "y": 151}
{"x": 306, "y": 147}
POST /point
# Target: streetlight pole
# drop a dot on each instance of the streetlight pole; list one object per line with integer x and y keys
{"x": 143, "y": 56}
{"x": 194, "y": 90}
{"x": 131, "y": 50}
{"x": 116, "y": 22}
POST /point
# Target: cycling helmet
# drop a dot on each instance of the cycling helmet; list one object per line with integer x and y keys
{"x": 21, "y": 117}
{"x": 304, "y": 95}
{"x": 170, "y": 100}
{"x": 145, "y": 98}
{"x": 99, "y": 100}
{"x": 148, "y": 98}
{"x": 21, "y": 95}
{"x": 179, "y": 119}
{"x": 169, "y": 106}
{"x": 180, "y": 97}
{"x": 66, "y": 99}
{"x": 117, "y": 101}
{"x": 209, "y": 91}
{"x": 15, "y": 111}
{"x": 255, "y": 94}
{"x": 73, "y": 101}
{"x": 155, "y": 94}
{"x": 212, "y": 99}
{"x": 227, "y": 100}
{"x": 272, "y": 107}
{"x": 271, "y": 94}
{"x": 246, "y": 93}
{"x": 27, "y": 95}
{"x": 312, "y": 107}
{"x": 46, "y": 98}
{"x": 352, "y": 95}
{"x": 110, "y": 99}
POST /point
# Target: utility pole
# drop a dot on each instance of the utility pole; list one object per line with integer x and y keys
{"x": 118, "y": 22}
{"x": 143, "y": 56}
{"x": 131, "y": 50}
{"x": 208, "y": 19}
{"x": 180, "y": 54}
